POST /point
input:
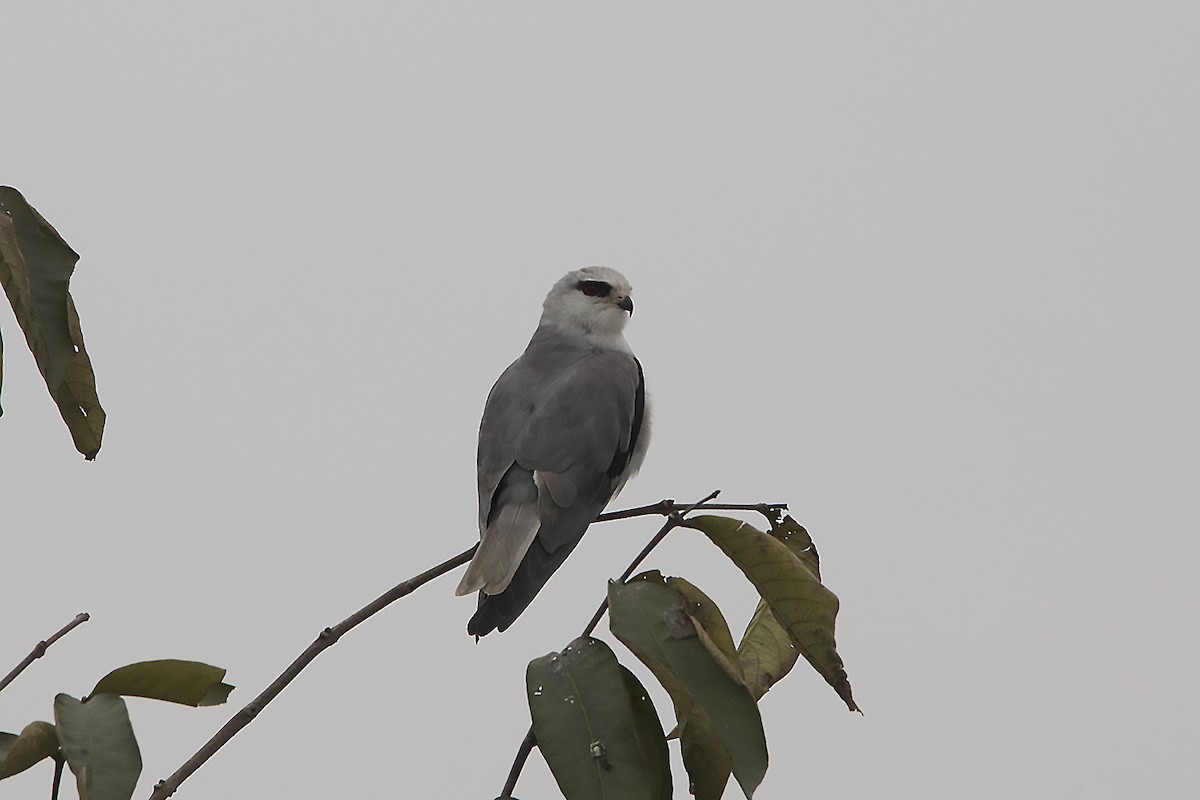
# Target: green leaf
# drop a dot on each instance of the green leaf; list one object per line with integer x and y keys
{"x": 651, "y": 619}
{"x": 805, "y": 608}
{"x": 766, "y": 653}
{"x": 38, "y": 740}
{"x": 35, "y": 270}
{"x": 651, "y": 739}
{"x": 711, "y": 627}
{"x": 189, "y": 683}
{"x": 97, "y": 739}
{"x": 704, "y": 756}
{"x": 587, "y": 728}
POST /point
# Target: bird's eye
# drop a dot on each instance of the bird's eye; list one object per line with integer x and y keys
{"x": 594, "y": 288}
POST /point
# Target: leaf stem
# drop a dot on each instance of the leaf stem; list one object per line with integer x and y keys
{"x": 518, "y": 764}
{"x": 59, "y": 760}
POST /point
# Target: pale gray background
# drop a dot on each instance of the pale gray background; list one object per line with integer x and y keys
{"x": 928, "y": 272}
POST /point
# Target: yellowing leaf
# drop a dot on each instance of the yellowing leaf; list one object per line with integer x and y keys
{"x": 189, "y": 683}
{"x": 796, "y": 537}
{"x": 801, "y": 604}
{"x": 35, "y": 270}
{"x": 18, "y": 753}
{"x": 766, "y": 653}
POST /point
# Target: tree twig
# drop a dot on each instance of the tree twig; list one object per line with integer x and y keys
{"x": 518, "y": 764}
{"x": 39, "y": 649}
{"x": 165, "y": 788}
{"x": 667, "y": 507}
{"x": 674, "y": 518}
{"x": 329, "y": 636}
{"x": 59, "y": 761}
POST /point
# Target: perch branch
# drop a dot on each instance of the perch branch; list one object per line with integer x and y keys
{"x": 329, "y": 636}
{"x": 667, "y": 507}
{"x": 165, "y": 788}
{"x": 39, "y": 650}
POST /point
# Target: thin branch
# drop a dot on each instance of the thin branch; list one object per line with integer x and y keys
{"x": 518, "y": 764}
{"x": 40, "y": 649}
{"x": 674, "y": 519}
{"x": 59, "y": 760}
{"x": 327, "y": 637}
{"x": 667, "y": 507}
{"x": 165, "y": 788}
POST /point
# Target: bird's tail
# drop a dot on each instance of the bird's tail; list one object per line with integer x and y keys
{"x": 497, "y": 611}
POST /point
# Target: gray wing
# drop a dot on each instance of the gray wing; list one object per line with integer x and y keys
{"x": 558, "y": 433}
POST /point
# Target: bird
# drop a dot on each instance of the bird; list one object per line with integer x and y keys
{"x": 564, "y": 427}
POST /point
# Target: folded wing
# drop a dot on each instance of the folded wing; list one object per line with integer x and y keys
{"x": 562, "y": 430}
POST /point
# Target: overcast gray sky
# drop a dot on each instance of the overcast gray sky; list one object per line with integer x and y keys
{"x": 927, "y": 272}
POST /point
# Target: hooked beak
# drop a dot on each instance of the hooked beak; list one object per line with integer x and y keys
{"x": 626, "y": 304}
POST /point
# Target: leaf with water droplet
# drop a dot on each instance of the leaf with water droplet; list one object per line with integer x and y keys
{"x": 582, "y": 697}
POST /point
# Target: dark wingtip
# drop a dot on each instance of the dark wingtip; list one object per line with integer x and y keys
{"x": 497, "y": 612}
{"x": 482, "y": 622}
{"x": 478, "y": 628}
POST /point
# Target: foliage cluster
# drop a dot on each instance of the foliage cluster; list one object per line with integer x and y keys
{"x": 94, "y": 735}
{"x": 596, "y": 725}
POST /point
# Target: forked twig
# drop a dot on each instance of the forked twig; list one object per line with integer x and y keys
{"x": 674, "y": 519}
{"x": 165, "y": 788}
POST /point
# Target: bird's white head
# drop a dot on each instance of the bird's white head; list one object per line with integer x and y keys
{"x": 592, "y": 304}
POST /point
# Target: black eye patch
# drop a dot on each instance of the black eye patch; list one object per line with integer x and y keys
{"x": 594, "y": 288}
